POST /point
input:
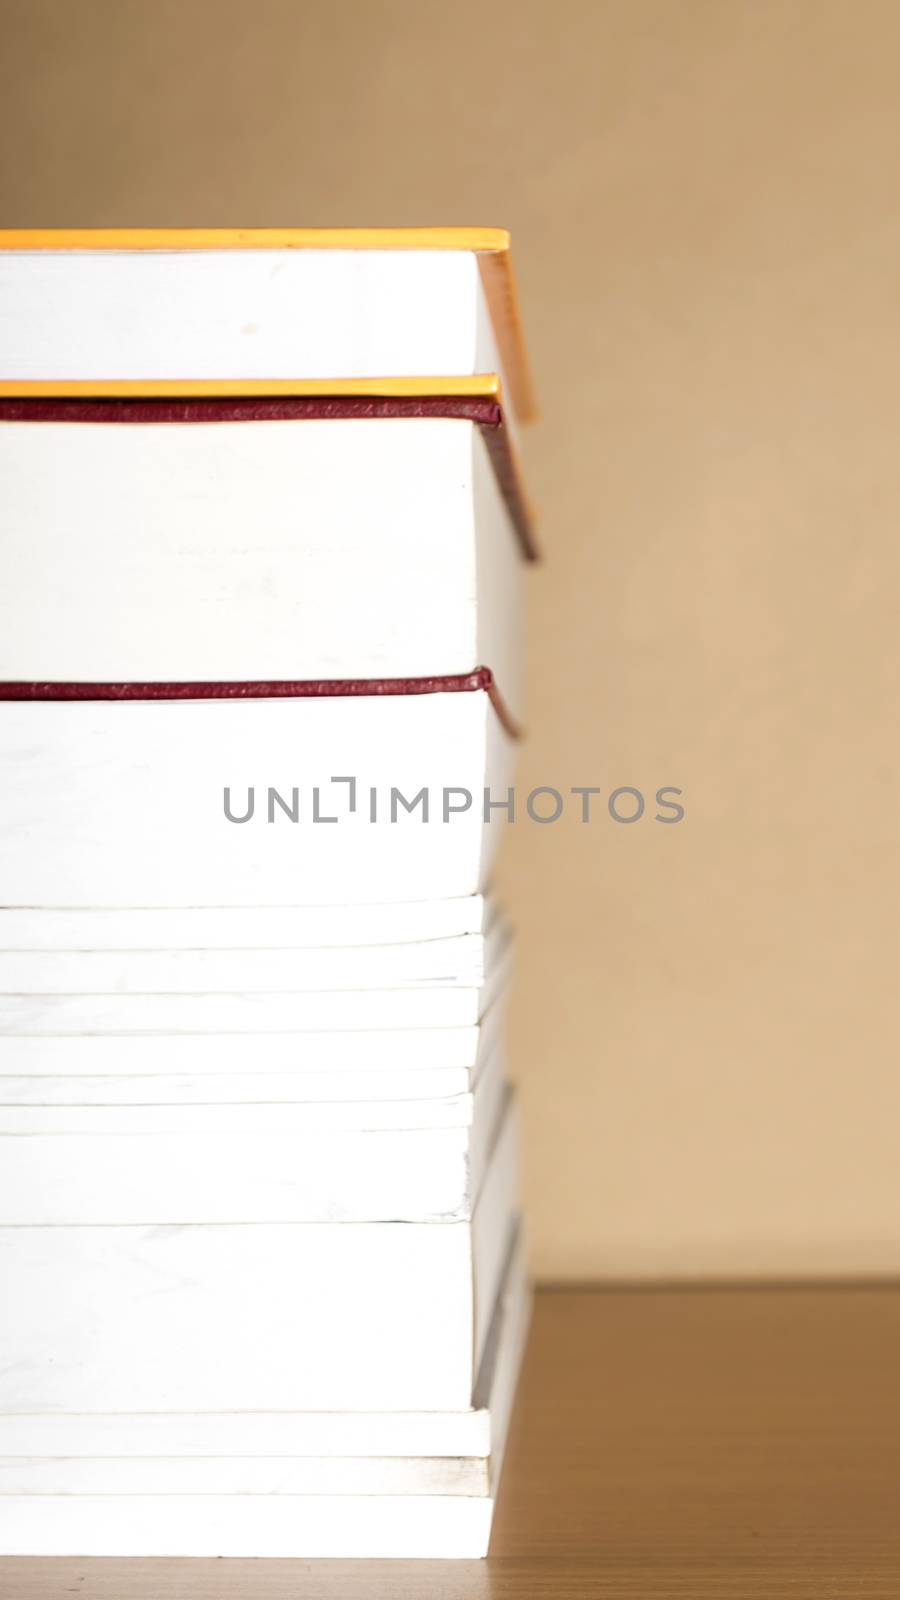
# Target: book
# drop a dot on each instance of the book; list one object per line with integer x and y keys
{"x": 452, "y": 963}
{"x": 239, "y": 928}
{"x": 310, "y": 1526}
{"x": 421, "y": 1091}
{"x": 315, "y": 541}
{"x": 212, "y": 801}
{"x": 367, "y": 1057}
{"x": 356, "y": 310}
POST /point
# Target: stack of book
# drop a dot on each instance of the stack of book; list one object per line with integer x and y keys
{"x": 260, "y": 651}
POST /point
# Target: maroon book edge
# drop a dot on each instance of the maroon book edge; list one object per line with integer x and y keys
{"x": 277, "y": 689}
{"x": 486, "y": 414}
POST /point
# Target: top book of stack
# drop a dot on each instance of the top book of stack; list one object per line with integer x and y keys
{"x": 393, "y": 312}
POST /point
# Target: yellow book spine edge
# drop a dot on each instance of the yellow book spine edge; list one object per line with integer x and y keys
{"x": 485, "y": 385}
{"x": 477, "y": 239}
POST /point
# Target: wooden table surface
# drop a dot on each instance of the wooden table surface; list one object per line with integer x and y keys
{"x": 726, "y": 1443}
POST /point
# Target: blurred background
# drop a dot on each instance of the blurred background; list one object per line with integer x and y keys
{"x": 703, "y": 198}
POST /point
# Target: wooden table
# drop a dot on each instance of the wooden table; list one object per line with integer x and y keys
{"x": 666, "y": 1444}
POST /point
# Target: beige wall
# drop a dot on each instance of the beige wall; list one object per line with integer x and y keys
{"x": 704, "y": 198}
